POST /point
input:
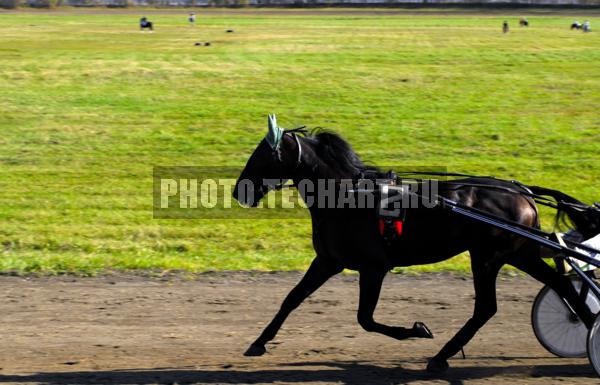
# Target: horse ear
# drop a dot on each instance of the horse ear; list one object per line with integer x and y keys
{"x": 274, "y": 134}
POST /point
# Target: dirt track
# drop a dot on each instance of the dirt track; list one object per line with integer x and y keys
{"x": 131, "y": 330}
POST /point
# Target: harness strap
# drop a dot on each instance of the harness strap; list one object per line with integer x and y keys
{"x": 299, "y": 160}
{"x": 390, "y": 229}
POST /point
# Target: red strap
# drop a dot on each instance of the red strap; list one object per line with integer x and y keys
{"x": 398, "y": 225}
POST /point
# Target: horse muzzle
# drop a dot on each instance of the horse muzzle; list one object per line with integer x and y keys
{"x": 247, "y": 195}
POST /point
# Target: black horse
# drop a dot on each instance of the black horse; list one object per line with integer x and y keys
{"x": 352, "y": 240}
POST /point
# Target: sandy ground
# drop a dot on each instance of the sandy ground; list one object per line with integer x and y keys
{"x": 126, "y": 329}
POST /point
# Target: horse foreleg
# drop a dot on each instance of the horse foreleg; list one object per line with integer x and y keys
{"x": 484, "y": 280}
{"x": 318, "y": 273}
{"x": 370, "y": 287}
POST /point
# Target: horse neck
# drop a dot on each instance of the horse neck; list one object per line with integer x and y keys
{"x": 314, "y": 169}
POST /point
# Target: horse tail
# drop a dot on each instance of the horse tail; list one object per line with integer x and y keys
{"x": 571, "y": 213}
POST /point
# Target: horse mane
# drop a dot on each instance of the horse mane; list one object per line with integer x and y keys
{"x": 335, "y": 152}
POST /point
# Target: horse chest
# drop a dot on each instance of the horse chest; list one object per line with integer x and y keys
{"x": 353, "y": 243}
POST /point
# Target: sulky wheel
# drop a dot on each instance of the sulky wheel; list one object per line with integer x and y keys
{"x": 593, "y": 345}
{"x": 558, "y": 330}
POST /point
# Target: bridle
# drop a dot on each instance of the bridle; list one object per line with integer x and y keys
{"x": 299, "y": 159}
{"x": 293, "y": 134}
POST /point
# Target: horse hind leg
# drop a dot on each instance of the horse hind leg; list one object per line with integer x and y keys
{"x": 370, "y": 288}
{"x": 484, "y": 281}
{"x": 318, "y": 273}
{"x": 561, "y": 284}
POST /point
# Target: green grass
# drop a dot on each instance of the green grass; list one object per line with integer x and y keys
{"x": 88, "y": 105}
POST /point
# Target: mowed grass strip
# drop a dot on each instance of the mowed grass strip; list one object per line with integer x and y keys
{"x": 89, "y": 105}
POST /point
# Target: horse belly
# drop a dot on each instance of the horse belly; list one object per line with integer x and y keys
{"x": 355, "y": 244}
{"x": 424, "y": 242}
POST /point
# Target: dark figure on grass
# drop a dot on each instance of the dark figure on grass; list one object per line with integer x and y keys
{"x": 523, "y": 22}
{"x": 192, "y": 19}
{"x": 505, "y": 27}
{"x": 348, "y": 238}
{"x": 575, "y": 25}
{"x": 145, "y": 24}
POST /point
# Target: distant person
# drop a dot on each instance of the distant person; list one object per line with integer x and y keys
{"x": 144, "y": 23}
{"x": 505, "y": 27}
{"x": 586, "y": 26}
{"x": 192, "y": 19}
{"x": 523, "y": 22}
{"x": 575, "y": 25}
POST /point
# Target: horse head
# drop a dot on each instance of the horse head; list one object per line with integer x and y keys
{"x": 272, "y": 163}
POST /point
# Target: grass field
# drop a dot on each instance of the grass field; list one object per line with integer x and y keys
{"x": 88, "y": 105}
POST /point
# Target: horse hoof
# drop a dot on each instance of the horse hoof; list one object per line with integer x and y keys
{"x": 421, "y": 330}
{"x": 255, "y": 351}
{"x": 437, "y": 366}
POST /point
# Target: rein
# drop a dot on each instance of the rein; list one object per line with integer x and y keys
{"x": 539, "y": 199}
{"x": 449, "y": 185}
